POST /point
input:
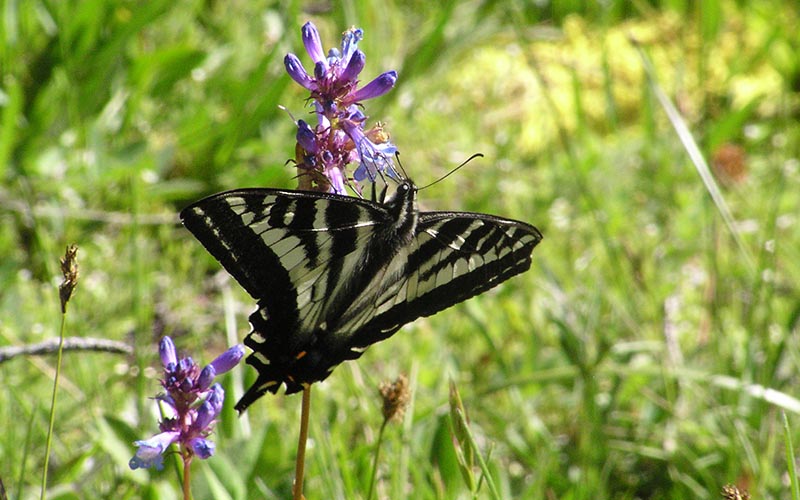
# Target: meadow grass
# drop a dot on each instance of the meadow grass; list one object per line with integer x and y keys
{"x": 651, "y": 351}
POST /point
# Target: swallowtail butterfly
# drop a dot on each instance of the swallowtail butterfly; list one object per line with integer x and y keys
{"x": 334, "y": 274}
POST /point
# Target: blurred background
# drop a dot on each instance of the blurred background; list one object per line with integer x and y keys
{"x": 651, "y": 351}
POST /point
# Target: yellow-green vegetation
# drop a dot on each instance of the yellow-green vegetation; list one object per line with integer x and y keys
{"x": 647, "y": 354}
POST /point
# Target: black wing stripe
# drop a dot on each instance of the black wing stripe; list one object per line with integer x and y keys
{"x": 307, "y": 213}
{"x": 449, "y": 235}
{"x": 343, "y": 242}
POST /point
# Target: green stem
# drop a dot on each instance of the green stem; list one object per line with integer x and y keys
{"x": 300, "y": 464}
{"x": 53, "y": 407}
{"x": 187, "y": 474}
{"x": 481, "y": 462}
{"x": 375, "y": 460}
{"x": 790, "y": 457}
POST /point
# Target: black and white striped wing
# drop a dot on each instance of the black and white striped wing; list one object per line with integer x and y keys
{"x": 333, "y": 274}
{"x": 296, "y": 252}
{"x": 454, "y": 256}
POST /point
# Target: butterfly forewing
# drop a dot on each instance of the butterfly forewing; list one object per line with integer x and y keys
{"x": 454, "y": 256}
{"x": 334, "y": 274}
{"x": 290, "y": 250}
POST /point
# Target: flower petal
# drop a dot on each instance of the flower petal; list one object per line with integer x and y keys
{"x": 206, "y": 377}
{"x": 228, "y": 359}
{"x": 377, "y": 87}
{"x": 312, "y": 42}
{"x": 354, "y": 67}
{"x": 295, "y": 69}
{"x": 306, "y": 137}
{"x": 334, "y": 175}
{"x": 166, "y": 349}
{"x": 150, "y": 450}
{"x": 202, "y": 448}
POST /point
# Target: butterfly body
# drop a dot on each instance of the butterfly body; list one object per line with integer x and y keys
{"x": 334, "y": 274}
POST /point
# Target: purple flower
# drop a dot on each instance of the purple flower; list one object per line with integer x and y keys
{"x": 166, "y": 348}
{"x": 324, "y": 152}
{"x": 150, "y": 452}
{"x": 228, "y": 359}
{"x": 306, "y": 137}
{"x": 354, "y": 67}
{"x": 202, "y": 447}
{"x": 193, "y": 404}
{"x": 313, "y": 43}
{"x": 376, "y": 88}
{"x": 206, "y": 377}
{"x": 374, "y": 157}
{"x": 210, "y": 408}
{"x": 350, "y": 39}
{"x": 295, "y": 69}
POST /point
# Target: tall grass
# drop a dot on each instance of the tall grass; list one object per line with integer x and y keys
{"x": 643, "y": 356}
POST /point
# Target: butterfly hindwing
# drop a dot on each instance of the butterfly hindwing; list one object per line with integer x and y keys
{"x": 334, "y": 274}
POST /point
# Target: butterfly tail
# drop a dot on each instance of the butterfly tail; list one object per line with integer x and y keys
{"x": 269, "y": 380}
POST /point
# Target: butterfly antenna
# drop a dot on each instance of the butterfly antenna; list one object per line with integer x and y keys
{"x": 400, "y": 165}
{"x": 448, "y": 174}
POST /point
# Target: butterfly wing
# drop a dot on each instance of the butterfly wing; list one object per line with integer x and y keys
{"x": 334, "y": 274}
{"x": 306, "y": 257}
{"x": 454, "y": 256}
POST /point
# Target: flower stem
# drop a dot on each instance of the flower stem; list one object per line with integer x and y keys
{"x": 187, "y": 474}
{"x": 300, "y": 464}
{"x": 53, "y": 406}
{"x": 375, "y": 459}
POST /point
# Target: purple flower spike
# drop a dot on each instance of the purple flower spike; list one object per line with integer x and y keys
{"x": 166, "y": 349}
{"x": 324, "y": 152}
{"x": 193, "y": 406}
{"x": 295, "y": 69}
{"x": 376, "y": 87}
{"x": 313, "y": 43}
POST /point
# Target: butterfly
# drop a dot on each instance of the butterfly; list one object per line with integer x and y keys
{"x": 335, "y": 274}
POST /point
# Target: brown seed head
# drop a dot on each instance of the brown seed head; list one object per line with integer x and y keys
{"x": 69, "y": 269}
{"x": 396, "y": 396}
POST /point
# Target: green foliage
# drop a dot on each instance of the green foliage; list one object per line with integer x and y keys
{"x": 642, "y": 356}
